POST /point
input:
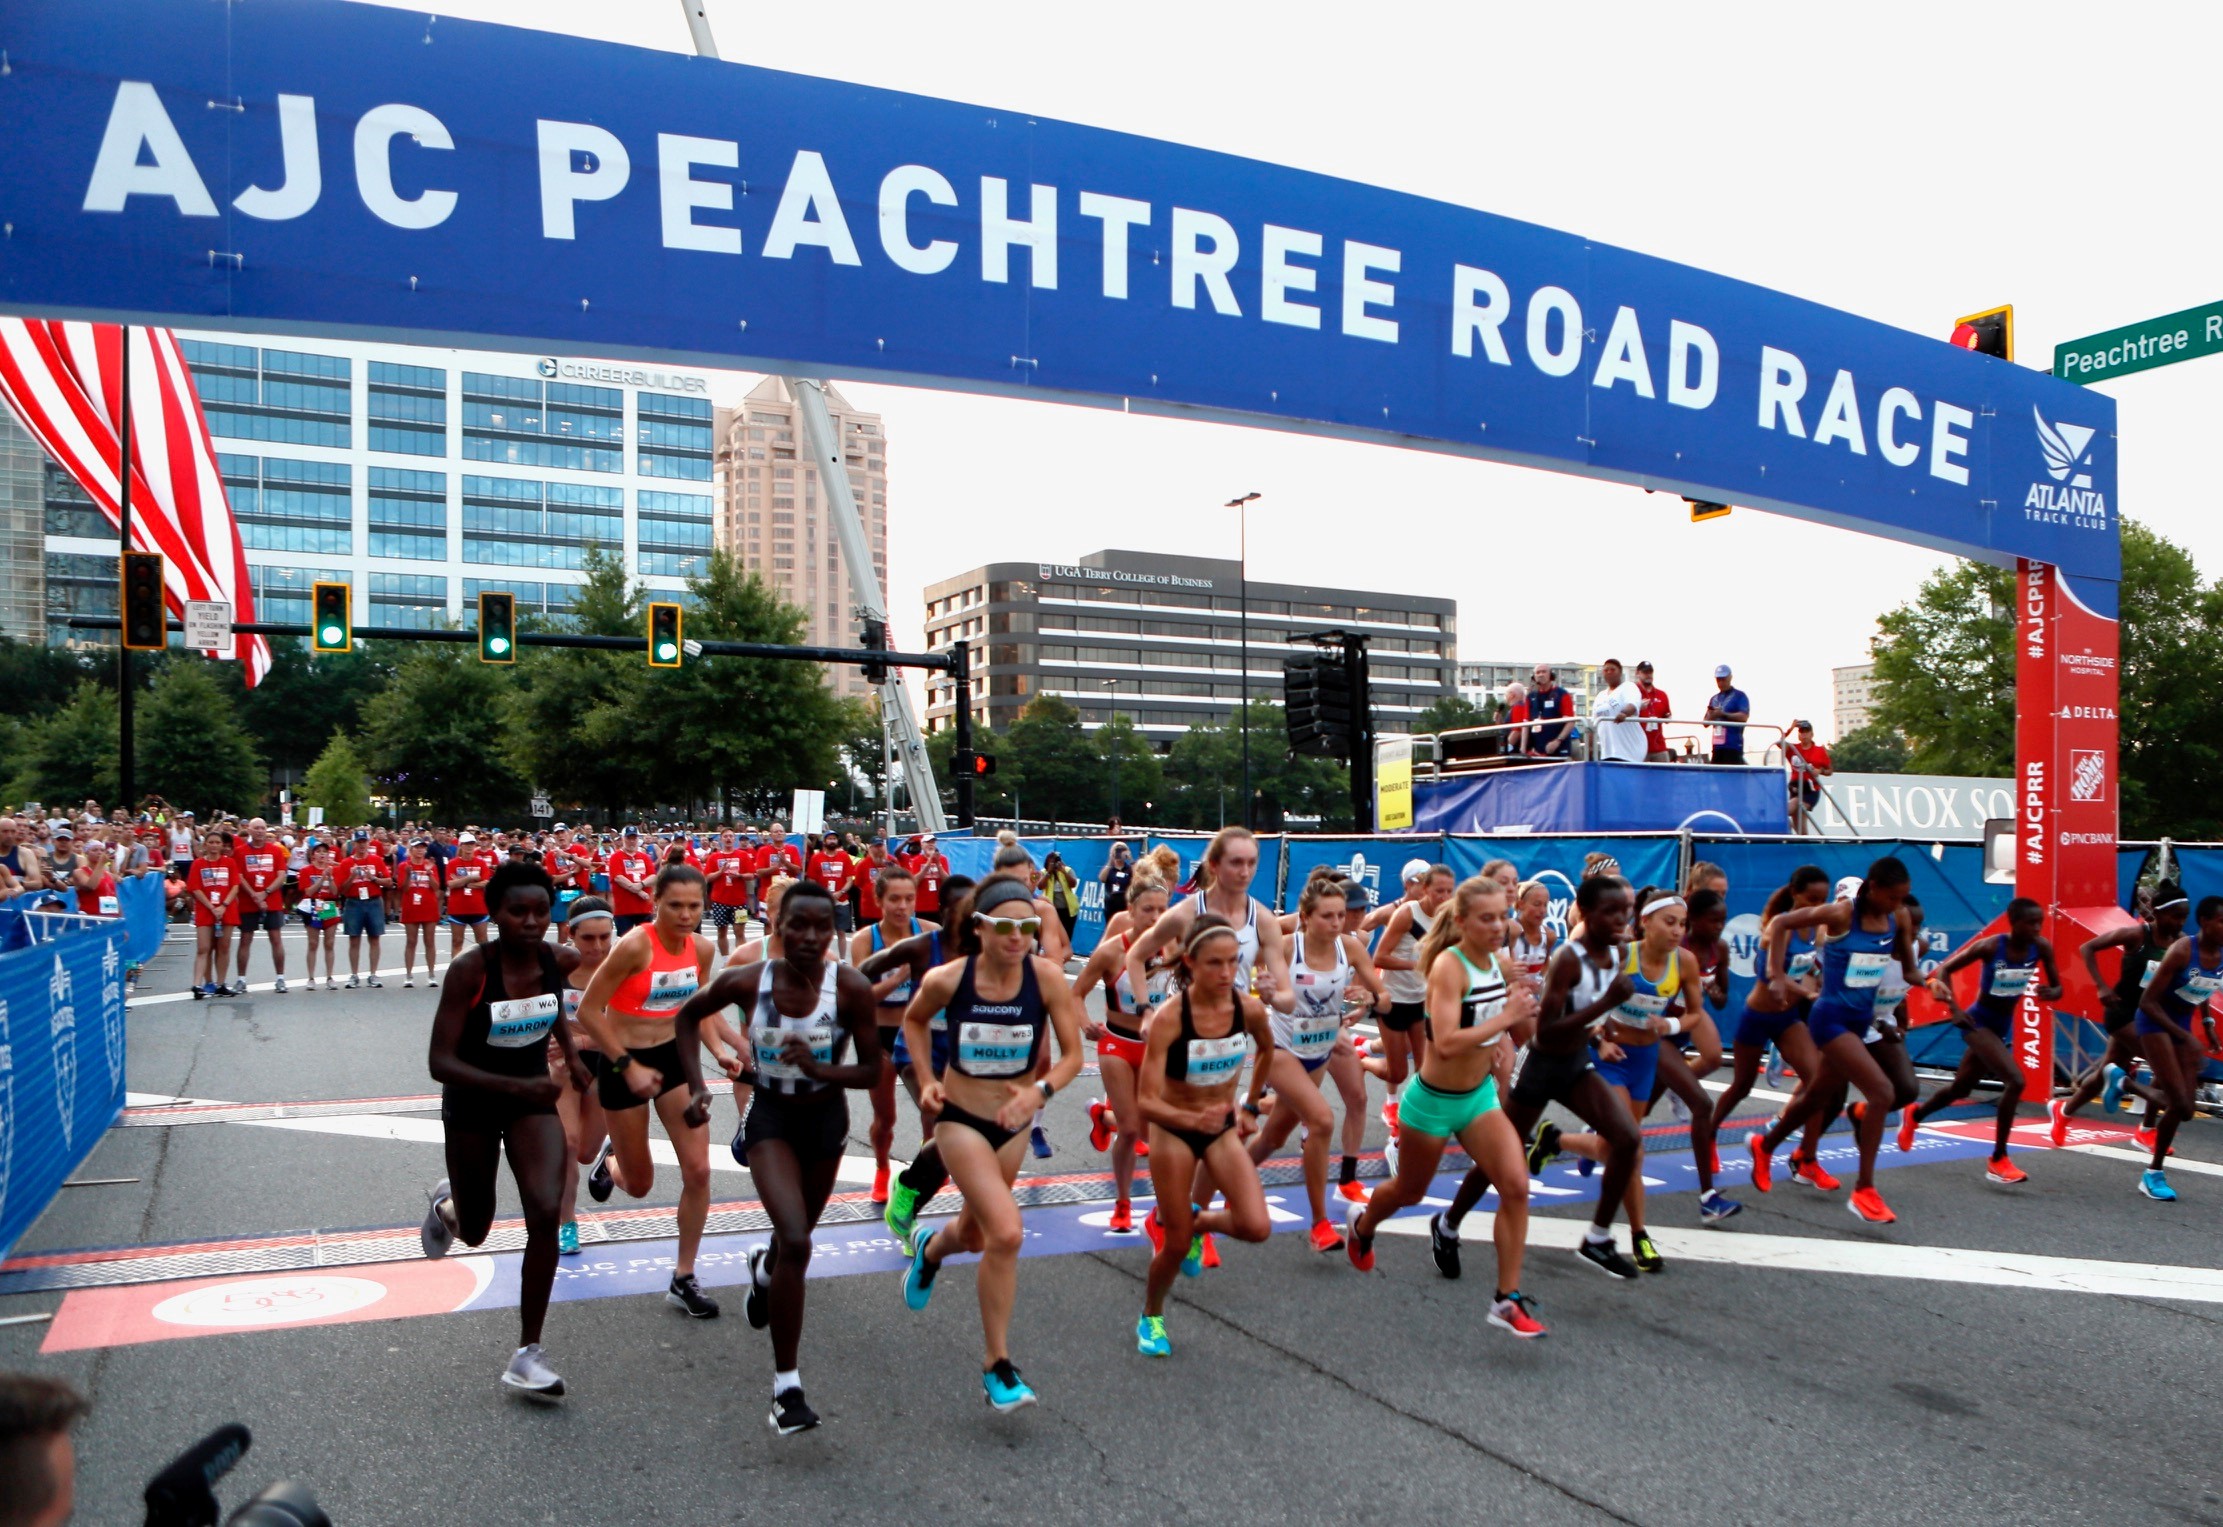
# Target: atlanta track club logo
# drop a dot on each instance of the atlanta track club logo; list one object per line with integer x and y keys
{"x": 2087, "y": 775}
{"x": 2070, "y": 497}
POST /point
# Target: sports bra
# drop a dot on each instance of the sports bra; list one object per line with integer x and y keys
{"x": 996, "y": 1039}
{"x": 1409, "y": 986}
{"x": 1530, "y": 956}
{"x": 657, "y": 992}
{"x": 1202, "y": 1062}
{"x": 2004, "y": 980}
{"x": 1310, "y": 1032}
{"x": 1484, "y": 997}
{"x": 2139, "y": 965}
{"x": 1651, "y": 998}
{"x": 821, "y": 1029}
{"x": 2194, "y": 988}
{"x": 508, "y": 1033}
{"x": 1119, "y": 998}
{"x": 900, "y": 996}
{"x": 1591, "y": 981}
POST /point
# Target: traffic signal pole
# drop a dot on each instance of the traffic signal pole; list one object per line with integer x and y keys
{"x": 127, "y": 784}
{"x": 961, "y": 689}
{"x": 1362, "y": 732}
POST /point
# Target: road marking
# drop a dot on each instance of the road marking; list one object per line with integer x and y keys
{"x": 2145, "y": 1158}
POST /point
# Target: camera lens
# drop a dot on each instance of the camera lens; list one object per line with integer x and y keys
{"x": 281, "y": 1503}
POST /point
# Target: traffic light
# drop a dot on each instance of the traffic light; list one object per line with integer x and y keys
{"x": 497, "y": 626}
{"x": 875, "y": 636}
{"x": 145, "y": 620}
{"x": 663, "y": 636}
{"x": 332, "y": 625}
{"x": 978, "y": 765}
{"x": 1702, "y": 510}
{"x": 1989, "y": 333}
{"x": 1316, "y": 693}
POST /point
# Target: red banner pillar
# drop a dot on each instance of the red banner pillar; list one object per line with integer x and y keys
{"x": 2066, "y": 691}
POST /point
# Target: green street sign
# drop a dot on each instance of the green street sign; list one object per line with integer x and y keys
{"x": 2142, "y": 346}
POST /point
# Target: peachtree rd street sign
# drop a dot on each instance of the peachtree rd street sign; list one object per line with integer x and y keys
{"x": 2141, "y": 346}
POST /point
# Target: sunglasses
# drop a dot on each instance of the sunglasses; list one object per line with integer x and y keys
{"x": 1004, "y": 927}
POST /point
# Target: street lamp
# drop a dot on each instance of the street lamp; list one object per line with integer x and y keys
{"x": 1242, "y": 584}
{"x": 1111, "y": 728}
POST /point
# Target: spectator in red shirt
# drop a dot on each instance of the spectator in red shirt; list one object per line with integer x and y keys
{"x": 632, "y": 871}
{"x": 212, "y": 881}
{"x": 1808, "y": 762}
{"x": 1655, "y": 704}
{"x": 731, "y": 870}
{"x": 929, "y": 867}
{"x": 869, "y": 867}
{"x": 468, "y": 872}
{"x": 778, "y": 858}
{"x": 1512, "y": 715}
{"x": 262, "y": 899}
{"x": 364, "y": 876}
{"x": 419, "y": 878}
{"x": 834, "y": 870}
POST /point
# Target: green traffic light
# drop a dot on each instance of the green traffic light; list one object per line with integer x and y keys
{"x": 498, "y": 645}
{"x": 666, "y": 651}
{"x": 332, "y": 635}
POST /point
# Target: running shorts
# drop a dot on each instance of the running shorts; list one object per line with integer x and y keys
{"x": 1760, "y": 1029}
{"x": 486, "y": 1113}
{"x": 663, "y": 1059}
{"x": 255, "y": 919}
{"x": 1826, "y": 1020}
{"x": 815, "y": 1128}
{"x": 1118, "y": 1046}
{"x": 988, "y": 1129}
{"x": 468, "y": 919}
{"x": 1984, "y": 1018}
{"x": 1542, "y": 1078}
{"x": 365, "y": 916}
{"x": 1637, "y": 1069}
{"x": 1443, "y": 1114}
{"x": 1403, "y": 1016}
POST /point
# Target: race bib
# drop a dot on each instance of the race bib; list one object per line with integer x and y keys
{"x": 1215, "y": 1060}
{"x": 995, "y": 1049}
{"x": 771, "y": 1050}
{"x": 2011, "y": 980}
{"x": 1802, "y": 965}
{"x": 1475, "y": 1010}
{"x": 109, "y": 906}
{"x": 363, "y": 893}
{"x": 667, "y": 989}
{"x": 1639, "y": 1009}
{"x": 520, "y": 1021}
{"x": 2198, "y": 988}
{"x": 1864, "y": 971}
{"x": 1311, "y": 1035}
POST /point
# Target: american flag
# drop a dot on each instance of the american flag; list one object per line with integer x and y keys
{"x": 65, "y": 382}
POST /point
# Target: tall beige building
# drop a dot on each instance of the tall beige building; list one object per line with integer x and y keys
{"x": 773, "y": 518}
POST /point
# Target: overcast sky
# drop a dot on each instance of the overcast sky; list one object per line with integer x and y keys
{"x": 1906, "y": 162}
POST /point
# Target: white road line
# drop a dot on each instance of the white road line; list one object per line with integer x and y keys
{"x": 1938, "y": 1264}
{"x": 2145, "y": 1158}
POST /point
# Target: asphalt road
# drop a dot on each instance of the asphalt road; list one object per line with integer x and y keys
{"x": 1299, "y": 1389}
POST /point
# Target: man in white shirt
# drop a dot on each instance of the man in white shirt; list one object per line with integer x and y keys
{"x": 1614, "y": 715}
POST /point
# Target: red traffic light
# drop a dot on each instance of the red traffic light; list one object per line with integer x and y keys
{"x": 979, "y": 765}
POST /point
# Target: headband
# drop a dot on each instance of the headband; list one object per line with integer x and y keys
{"x": 587, "y": 917}
{"x": 997, "y": 896}
{"x": 1199, "y": 935}
{"x": 1660, "y": 904}
{"x": 2164, "y": 906}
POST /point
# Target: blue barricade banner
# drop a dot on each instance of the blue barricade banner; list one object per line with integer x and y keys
{"x": 1605, "y": 797}
{"x": 1557, "y": 862}
{"x": 144, "y": 915}
{"x": 1374, "y": 862}
{"x": 1084, "y": 856}
{"x": 2199, "y": 871}
{"x": 61, "y": 1063}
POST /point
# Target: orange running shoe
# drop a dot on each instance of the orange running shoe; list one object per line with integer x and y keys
{"x": 1715, "y": 1150}
{"x": 1211, "y": 1252}
{"x": 1326, "y": 1238}
{"x": 2058, "y": 1112}
{"x": 1101, "y": 1125}
{"x": 1907, "y": 1125}
{"x": 1809, "y": 1171}
{"x": 2003, "y": 1170}
{"x": 1857, "y": 1112}
{"x": 1154, "y": 1230}
{"x": 1353, "y": 1191}
{"x": 880, "y": 1185}
{"x": 1869, "y": 1205}
{"x": 1142, "y": 1146}
{"x": 1389, "y": 1115}
{"x": 2145, "y": 1140}
{"x": 1122, "y": 1218}
{"x": 1763, "y": 1170}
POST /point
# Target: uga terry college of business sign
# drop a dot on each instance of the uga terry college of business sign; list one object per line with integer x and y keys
{"x": 375, "y": 172}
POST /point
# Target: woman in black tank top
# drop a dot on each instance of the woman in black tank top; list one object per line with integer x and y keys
{"x": 499, "y": 1004}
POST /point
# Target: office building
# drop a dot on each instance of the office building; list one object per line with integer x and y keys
{"x": 1854, "y": 688}
{"x": 773, "y": 517}
{"x": 1484, "y": 683}
{"x": 1159, "y": 640}
{"x": 422, "y": 476}
{"x": 22, "y": 533}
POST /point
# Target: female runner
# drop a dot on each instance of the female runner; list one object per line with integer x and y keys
{"x": 1864, "y": 935}
{"x": 1000, "y": 999}
{"x": 2191, "y": 973}
{"x": 2143, "y": 944}
{"x": 1474, "y": 1000}
{"x": 2011, "y": 961}
{"x": 1533, "y": 937}
{"x": 924, "y": 1177}
{"x": 1695, "y": 1050}
{"x": 1347, "y": 1070}
{"x": 1114, "y": 1121}
{"x": 1194, "y": 1048}
{"x": 898, "y": 895}
{"x": 1775, "y": 1014}
{"x": 320, "y": 911}
{"x": 1887, "y": 1044}
{"x": 580, "y": 1108}
{"x": 499, "y": 1005}
{"x": 800, "y": 1012}
{"x": 628, "y": 1010}
{"x": 418, "y": 879}
{"x": 1323, "y": 967}
{"x": 213, "y": 882}
{"x": 1404, "y": 1036}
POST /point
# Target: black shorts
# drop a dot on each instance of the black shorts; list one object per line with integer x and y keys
{"x": 722, "y": 916}
{"x": 816, "y": 1127}
{"x": 988, "y": 1129}
{"x": 2120, "y": 1017}
{"x": 255, "y": 920}
{"x": 486, "y": 1113}
{"x": 1541, "y": 1078}
{"x": 1403, "y": 1017}
{"x": 628, "y": 921}
{"x": 1198, "y": 1141}
{"x": 663, "y": 1059}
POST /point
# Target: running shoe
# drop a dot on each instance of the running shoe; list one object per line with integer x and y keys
{"x": 1359, "y": 1248}
{"x": 740, "y": 1143}
{"x": 1150, "y": 1337}
{"x": 1142, "y": 1147}
{"x": 2111, "y": 1095}
{"x": 1584, "y": 1166}
{"x": 1606, "y": 1257}
{"x": 1389, "y": 1115}
{"x": 2003, "y": 1170}
{"x": 1042, "y": 1152}
{"x": 567, "y": 1238}
{"x": 1648, "y": 1258}
{"x": 1153, "y": 1229}
{"x": 200, "y": 994}
{"x": 1713, "y": 1152}
{"x": 1542, "y": 1148}
{"x": 1006, "y": 1391}
{"x": 1122, "y": 1218}
{"x": 880, "y": 1185}
{"x": 1512, "y": 1314}
{"x": 1908, "y": 1123}
{"x": 1773, "y": 1070}
{"x": 1100, "y": 1125}
{"x": 1857, "y": 1112}
{"x": 918, "y": 1279}
{"x": 1362, "y": 1047}
{"x": 791, "y": 1413}
{"x": 353, "y": 982}
{"x": 685, "y": 1293}
{"x": 372, "y": 980}
{"x": 1192, "y": 1262}
{"x": 1325, "y": 1237}
{"x": 1679, "y": 1108}
{"x": 1389, "y": 1155}
{"x": 2155, "y": 1185}
{"x": 755, "y": 1308}
{"x": 409, "y": 981}
{"x": 1868, "y": 1204}
{"x": 437, "y": 1233}
{"x": 2145, "y": 1139}
{"x": 529, "y": 1374}
{"x": 600, "y": 1184}
{"x": 1811, "y": 1172}
{"x": 2058, "y": 1132}
{"x": 1763, "y": 1169}
{"x": 279, "y": 985}
{"x": 1713, "y": 1207}
{"x": 1443, "y": 1245}
{"x": 1211, "y": 1250}
{"x": 221, "y": 990}
{"x": 1352, "y": 1191}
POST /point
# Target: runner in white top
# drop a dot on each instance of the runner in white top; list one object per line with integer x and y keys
{"x": 1230, "y": 863}
{"x": 1396, "y": 955}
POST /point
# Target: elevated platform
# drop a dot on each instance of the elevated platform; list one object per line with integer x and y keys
{"x": 1605, "y": 797}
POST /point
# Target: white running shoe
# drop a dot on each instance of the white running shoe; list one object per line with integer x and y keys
{"x": 437, "y": 1233}
{"x": 353, "y": 982}
{"x": 529, "y": 1374}
{"x": 279, "y": 985}
{"x": 374, "y": 981}
{"x": 408, "y": 980}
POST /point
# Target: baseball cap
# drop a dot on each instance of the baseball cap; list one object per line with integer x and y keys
{"x": 1848, "y": 888}
{"x": 1415, "y": 869}
{"x": 926, "y": 837}
{"x": 1721, "y": 670}
{"x": 561, "y": 827}
{"x": 631, "y": 831}
{"x": 62, "y": 830}
{"x": 1802, "y": 726}
{"x": 361, "y": 833}
{"x": 1645, "y": 666}
{"x": 470, "y": 837}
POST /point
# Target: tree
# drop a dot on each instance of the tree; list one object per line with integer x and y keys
{"x": 1141, "y": 777}
{"x": 1870, "y": 749}
{"x": 1204, "y": 774}
{"x": 434, "y": 736}
{"x": 992, "y": 794}
{"x": 1450, "y": 713}
{"x": 71, "y": 753}
{"x": 36, "y": 679}
{"x": 305, "y": 697}
{"x": 1945, "y": 667}
{"x": 1058, "y": 775}
{"x": 192, "y": 751}
{"x": 338, "y": 782}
